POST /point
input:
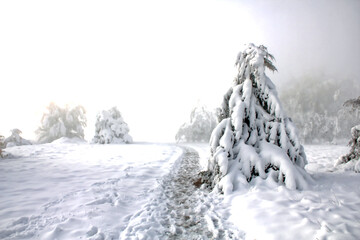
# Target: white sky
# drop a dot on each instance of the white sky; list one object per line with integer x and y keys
{"x": 156, "y": 59}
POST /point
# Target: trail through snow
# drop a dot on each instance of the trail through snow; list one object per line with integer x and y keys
{"x": 180, "y": 210}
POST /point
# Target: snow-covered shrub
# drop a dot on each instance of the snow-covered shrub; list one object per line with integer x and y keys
{"x": 111, "y": 128}
{"x": 255, "y": 138}
{"x": 61, "y": 122}
{"x": 15, "y": 139}
{"x": 354, "y": 155}
{"x": 202, "y": 122}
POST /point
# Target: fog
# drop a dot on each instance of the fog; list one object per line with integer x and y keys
{"x": 156, "y": 60}
{"x": 312, "y": 36}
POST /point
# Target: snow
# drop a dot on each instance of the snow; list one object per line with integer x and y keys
{"x": 70, "y": 189}
{"x": 329, "y": 209}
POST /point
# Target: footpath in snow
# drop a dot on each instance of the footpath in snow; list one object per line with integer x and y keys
{"x": 180, "y": 210}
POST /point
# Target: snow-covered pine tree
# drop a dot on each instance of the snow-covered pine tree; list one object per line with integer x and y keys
{"x": 202, "y": 122}
{"x": 111, "y": 128}
{"x": 15, "y": 139}
{"x": 354, "y": 155}
{"x": 254, "y": 138}
{"x": 61, "y": 122}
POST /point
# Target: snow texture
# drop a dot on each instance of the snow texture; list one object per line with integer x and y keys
{"x": 69, "y": 189}
{"x": 111, "y": 128}
{"x": 328, "y": 209}
{"x": 255, "y": 138}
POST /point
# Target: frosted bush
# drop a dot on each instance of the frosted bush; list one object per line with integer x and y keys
{"x": 254, "y": 138}
{"x": 111, "y": 128}
{"x": 15, "y": 139}
{"x": 61, "y": 122}
{"x": 354, "y": 154}
{"x": 353, "y": 106}
{"x": 202, "y": 122}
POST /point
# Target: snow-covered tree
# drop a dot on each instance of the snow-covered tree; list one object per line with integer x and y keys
{"x": 15, "y": 139}
{"x": 354, "y": 155}
{"x": 62, "y": 122}
{"x": 254, "y": 138}
{"x": 111, "y": 128}
{"x": 354, "y": 106}
{"x": 202, "y": 122}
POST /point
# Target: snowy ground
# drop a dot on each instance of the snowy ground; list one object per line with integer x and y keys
{"x": 75, "y": 190}
{"x": 71, "y": 191}
{"x": 328, "y": 210}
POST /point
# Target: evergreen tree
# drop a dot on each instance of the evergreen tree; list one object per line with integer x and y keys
{"x": 202, "y": 122}
{"x": 254, "y": 138}
{"x": 61, "y": 122}
{"x": 111, "y": 128}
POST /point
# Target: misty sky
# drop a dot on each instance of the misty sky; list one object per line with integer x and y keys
{"x": 156, "y": 60}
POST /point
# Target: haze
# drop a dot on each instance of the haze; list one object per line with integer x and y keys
{"x": 156, "y": 60}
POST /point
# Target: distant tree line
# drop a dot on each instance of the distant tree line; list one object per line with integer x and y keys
{"x": 315, "y": 105}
